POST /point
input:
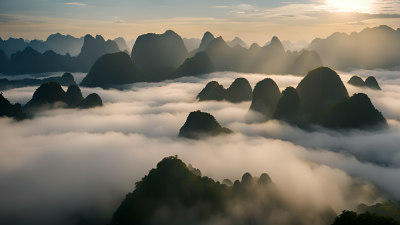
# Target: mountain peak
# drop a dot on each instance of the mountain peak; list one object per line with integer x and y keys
{"x": 99, "y": 37}
{"x": 275, "y": 40}
{"x": 205, "y": 41}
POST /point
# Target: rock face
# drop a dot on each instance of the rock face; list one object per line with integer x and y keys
{"x": 288, "y": 106}
{"x": 372, "y": 83}
{"x": 47, "y": 93}
{"x": 205, "y": 41}
{"x": 91, "y": 101}
{"x": 355, "y": 112}
{"x": 4, "y": 62}
{"x": 356, "y": 81}
{"x": 212, "y": 91}
{"x": 173, "y": 193}
{"x": 266, "y": 95}
{"x": 73, "y": 96}
{"x": 306, "y": 61}
{"x": 9, "y": 110}
{"x": 199, "y": 64}
{"x": 200, "y": 124}
{"x": 111, "y": 69}
{"x": 153, "y": 52}
{"x": 51, "y": 94}
{"x": 240, "y": 90}
{"x": 67, "y": 79}
{"x": 319, "y": 91}
{"x": 172, "y": 185}
{"x": 320, "y": 99}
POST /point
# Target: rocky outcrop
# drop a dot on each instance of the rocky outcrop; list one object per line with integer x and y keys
{"x": 266, "y": 95}
{"x": 153, "y": 52}
{"x": 200, "y": 124}
{"x": 110, "y": 70}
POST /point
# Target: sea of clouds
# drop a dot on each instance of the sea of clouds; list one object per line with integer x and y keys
{"x": 69, "y": 166}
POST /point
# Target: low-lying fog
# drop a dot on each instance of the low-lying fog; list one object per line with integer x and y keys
{"x": 67, "y": 166}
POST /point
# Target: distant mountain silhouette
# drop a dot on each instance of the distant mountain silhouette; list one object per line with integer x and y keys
{"x": 12, "y": 45}
{"x": 372, "y": 48}
{"x": 32, "y": 61}
{"x": 153, "y": 52}
{"x": 288, "y": 106}
{"x": 199, "y": 64}
{"x": 111, "y": 69}
{"x": 200, "y": 124}
{"x": 370, "y": 82}
{"x": 92, "y": 49}
{"x": 205, "y": 41}
{"x": 9, "y": 110}
{"x": 66, "y": 79}
{"x": 240, "y": 90}
{"x": 355, "y": 112}
{"x": 120, "y": 41}
{"x": 191, "y": 43}
{"x": 51, "y": 95}
{"x": 237, "y": 41}
{"x": 63, "y": 44}
{"x": 319, "y": 91}
{"x": 270, "y": 59}
{"x": 266, "y": 95}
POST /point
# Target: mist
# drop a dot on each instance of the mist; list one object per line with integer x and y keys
{"x": 69, "y": 166}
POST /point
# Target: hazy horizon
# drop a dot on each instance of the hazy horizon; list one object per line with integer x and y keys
{"x": 253, "y": 21}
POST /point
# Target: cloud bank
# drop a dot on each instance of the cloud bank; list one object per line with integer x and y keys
{"x": 70, "y": 166}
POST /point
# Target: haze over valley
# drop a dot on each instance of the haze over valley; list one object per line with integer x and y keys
{"x": 192, "y": 122}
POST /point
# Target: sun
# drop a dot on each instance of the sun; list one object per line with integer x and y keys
{"x": 361, "y": 6}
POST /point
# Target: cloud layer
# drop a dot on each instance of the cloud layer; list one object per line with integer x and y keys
{"x": 67, "y": 166}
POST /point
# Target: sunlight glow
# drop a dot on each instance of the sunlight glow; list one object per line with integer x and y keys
{"x": 361, "y": 6}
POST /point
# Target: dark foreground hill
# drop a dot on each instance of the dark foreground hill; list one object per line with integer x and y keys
{"x": 10, "y": 110}
{"x": 173, "y": 193}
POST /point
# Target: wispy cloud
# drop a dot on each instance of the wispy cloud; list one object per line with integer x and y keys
{"x": 75, "y": 3}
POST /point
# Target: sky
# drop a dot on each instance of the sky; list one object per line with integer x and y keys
{"x": 252, "y": 20}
